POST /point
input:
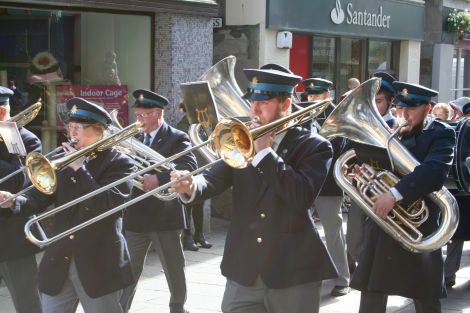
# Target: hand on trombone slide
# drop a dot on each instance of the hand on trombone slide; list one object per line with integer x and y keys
{"x": 150, "y": 182}
{"x": 70, "y": 148}
{"x": 5, "y": 195}
{"x": 186, "y": 186}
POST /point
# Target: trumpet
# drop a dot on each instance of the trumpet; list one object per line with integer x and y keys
{"x": 236, "y": 153}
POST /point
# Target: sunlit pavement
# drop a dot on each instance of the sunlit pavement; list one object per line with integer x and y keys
{"x": 206, "y": 285}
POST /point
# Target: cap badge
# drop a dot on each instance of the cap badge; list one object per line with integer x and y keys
{"x": 73, "y": 110}
{"x": 254, "y": 81}
{"x": 311, "y": 86}
{"x": 141, "y": 97}
{"x": 405, "y": 92}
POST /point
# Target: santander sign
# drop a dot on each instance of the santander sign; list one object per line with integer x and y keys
{"x": 359, "y": 17}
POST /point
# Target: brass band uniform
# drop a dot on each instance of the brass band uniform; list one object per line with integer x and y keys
{"x": 153, "y": 221}
{"x": 274, "y": 259}
{"x": 17, "y": 255}
{"x": 91, "y": 265}
{"x": 385, "y": 267}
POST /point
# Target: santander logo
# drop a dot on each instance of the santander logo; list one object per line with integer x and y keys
{"x": 337, "y": 14}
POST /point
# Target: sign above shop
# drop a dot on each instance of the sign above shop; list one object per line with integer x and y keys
{"x": 371, "y": 18}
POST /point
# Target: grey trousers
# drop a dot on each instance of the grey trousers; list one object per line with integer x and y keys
{"x": 20, "y": 276}
{"x": 258, "y": 298}
{"x": 329, "y": 211}
{"x": 72, "y": 292}
{"x": 169, "y": 249}
{"x": 454, "y": 254}
{"x": 355, "y": 231}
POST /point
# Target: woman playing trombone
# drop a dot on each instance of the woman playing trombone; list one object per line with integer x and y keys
{"x": 92, "y": 265}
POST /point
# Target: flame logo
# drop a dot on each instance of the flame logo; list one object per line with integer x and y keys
{"x": 337, "y": 14}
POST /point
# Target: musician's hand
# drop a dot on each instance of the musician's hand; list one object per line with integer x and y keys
{"x": 186, "y": 186}
{"x": 383, "y": 204}
{"x": 5, "y": 195}
{"x": 75, "y": 165}
{"x": 265, "y": 141}
{"x": 150, "y": 182}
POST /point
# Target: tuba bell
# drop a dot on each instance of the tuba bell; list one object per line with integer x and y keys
{"x": 227, "y": 96}
{"x": 357, "y": 119}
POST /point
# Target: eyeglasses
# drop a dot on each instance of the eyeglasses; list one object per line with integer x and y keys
{"x": 145, "y": 114}
{"x": 76, "y": 127}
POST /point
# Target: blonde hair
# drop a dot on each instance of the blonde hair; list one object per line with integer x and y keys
{"x": 444, "y": 107}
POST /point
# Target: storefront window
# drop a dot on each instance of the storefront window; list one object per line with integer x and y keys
{"x": 57, "y": 55}
{"x": 380, "y": 56}
{"x": 350, "y": 62}
{"x": 323, "y": 58}
{"x": 461, "y": 73}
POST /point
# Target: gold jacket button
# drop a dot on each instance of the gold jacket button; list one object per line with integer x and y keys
{"x": 67, "y": 258}
{"x": 262, "y": 215}
{"x": 73, "y": 179}
{"x": 72, "y": 237}
{"x": 87, "y": 209}
{"x": 259, "y": 240}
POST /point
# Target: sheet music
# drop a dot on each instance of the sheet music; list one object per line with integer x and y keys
{"x": 12, "y": 138}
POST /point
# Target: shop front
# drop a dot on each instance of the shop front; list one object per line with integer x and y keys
{"x": 338, "y": 40}
{"x": 86, "y": 50}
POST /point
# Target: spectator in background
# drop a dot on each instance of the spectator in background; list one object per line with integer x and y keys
{"x": 442, "y": 111}
{"x": 353, "y": 83}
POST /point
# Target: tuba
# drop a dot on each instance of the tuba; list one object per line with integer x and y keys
{"x": 227, "y": 96}
{"x": 357, "y": 119}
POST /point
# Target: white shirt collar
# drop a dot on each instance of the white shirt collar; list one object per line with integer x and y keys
{"x": 153, "y": 133}
{"x": 387, "y": 117}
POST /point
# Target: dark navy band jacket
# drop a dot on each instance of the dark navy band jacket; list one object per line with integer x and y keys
{"x": 100, "y": 250}
{"x": 152, "y": 214}
{"x": 272, "y": 233}
{"x": 384, "y": 265}
{"x": 13, "y": 243}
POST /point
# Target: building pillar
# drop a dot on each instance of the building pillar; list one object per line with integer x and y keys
{"x": 441, "y": 71}
{"x": 410, "y": 52}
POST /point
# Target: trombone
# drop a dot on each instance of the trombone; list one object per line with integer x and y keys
{"x": 231, "y": 139}
{"x": 43, "y": 172}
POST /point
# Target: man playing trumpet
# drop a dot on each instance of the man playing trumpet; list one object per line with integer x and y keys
{"x": 274, "y": 259}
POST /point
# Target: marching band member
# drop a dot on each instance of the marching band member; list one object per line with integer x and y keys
{"x": 274, "y": 259}
{"x": 385, "y": 96}
{"x": 328, "y": 203}
{"x": 385, "y": 267}
{"x": 92, "y": 265}
{"x": 18, "y": 265}
{"x": 153, "y": 221}
{"x": 356, "y": 217}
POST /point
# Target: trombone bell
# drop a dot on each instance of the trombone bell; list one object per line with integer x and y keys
{"x": 41, "y": 173}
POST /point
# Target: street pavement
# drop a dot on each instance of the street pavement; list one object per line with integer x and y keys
{"x": 206, "y": 285}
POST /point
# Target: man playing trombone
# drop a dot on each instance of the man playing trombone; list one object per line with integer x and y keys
{"x": 91, "y": 265}
{"x": 274, "y": 259}
{"x": 18, "y": 265}
{"x": 153, "y": 221}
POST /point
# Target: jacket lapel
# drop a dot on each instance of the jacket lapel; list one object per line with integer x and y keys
{"x": 283, "y": 150}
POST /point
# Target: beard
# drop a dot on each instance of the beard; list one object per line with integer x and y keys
{"x": 411, "y": 131}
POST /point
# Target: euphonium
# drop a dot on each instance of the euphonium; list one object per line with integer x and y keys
{"x": 27, "y": 115}
{"x": 143, "y": 157}
{"x": 357, "y": 119}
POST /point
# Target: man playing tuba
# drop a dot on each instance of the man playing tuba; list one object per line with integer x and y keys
{"x": 385, "y": 267}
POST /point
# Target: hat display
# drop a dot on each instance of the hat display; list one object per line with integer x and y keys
{"x": 386, "y": 81}
{"x": 265, "y": 84}
{"x": 412, "y": 95}
{"x": 314, "y": 86}
{"x": 83, "y": 111}
{"x": 5, "y": 94}
{"x": 148, "y": 99}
